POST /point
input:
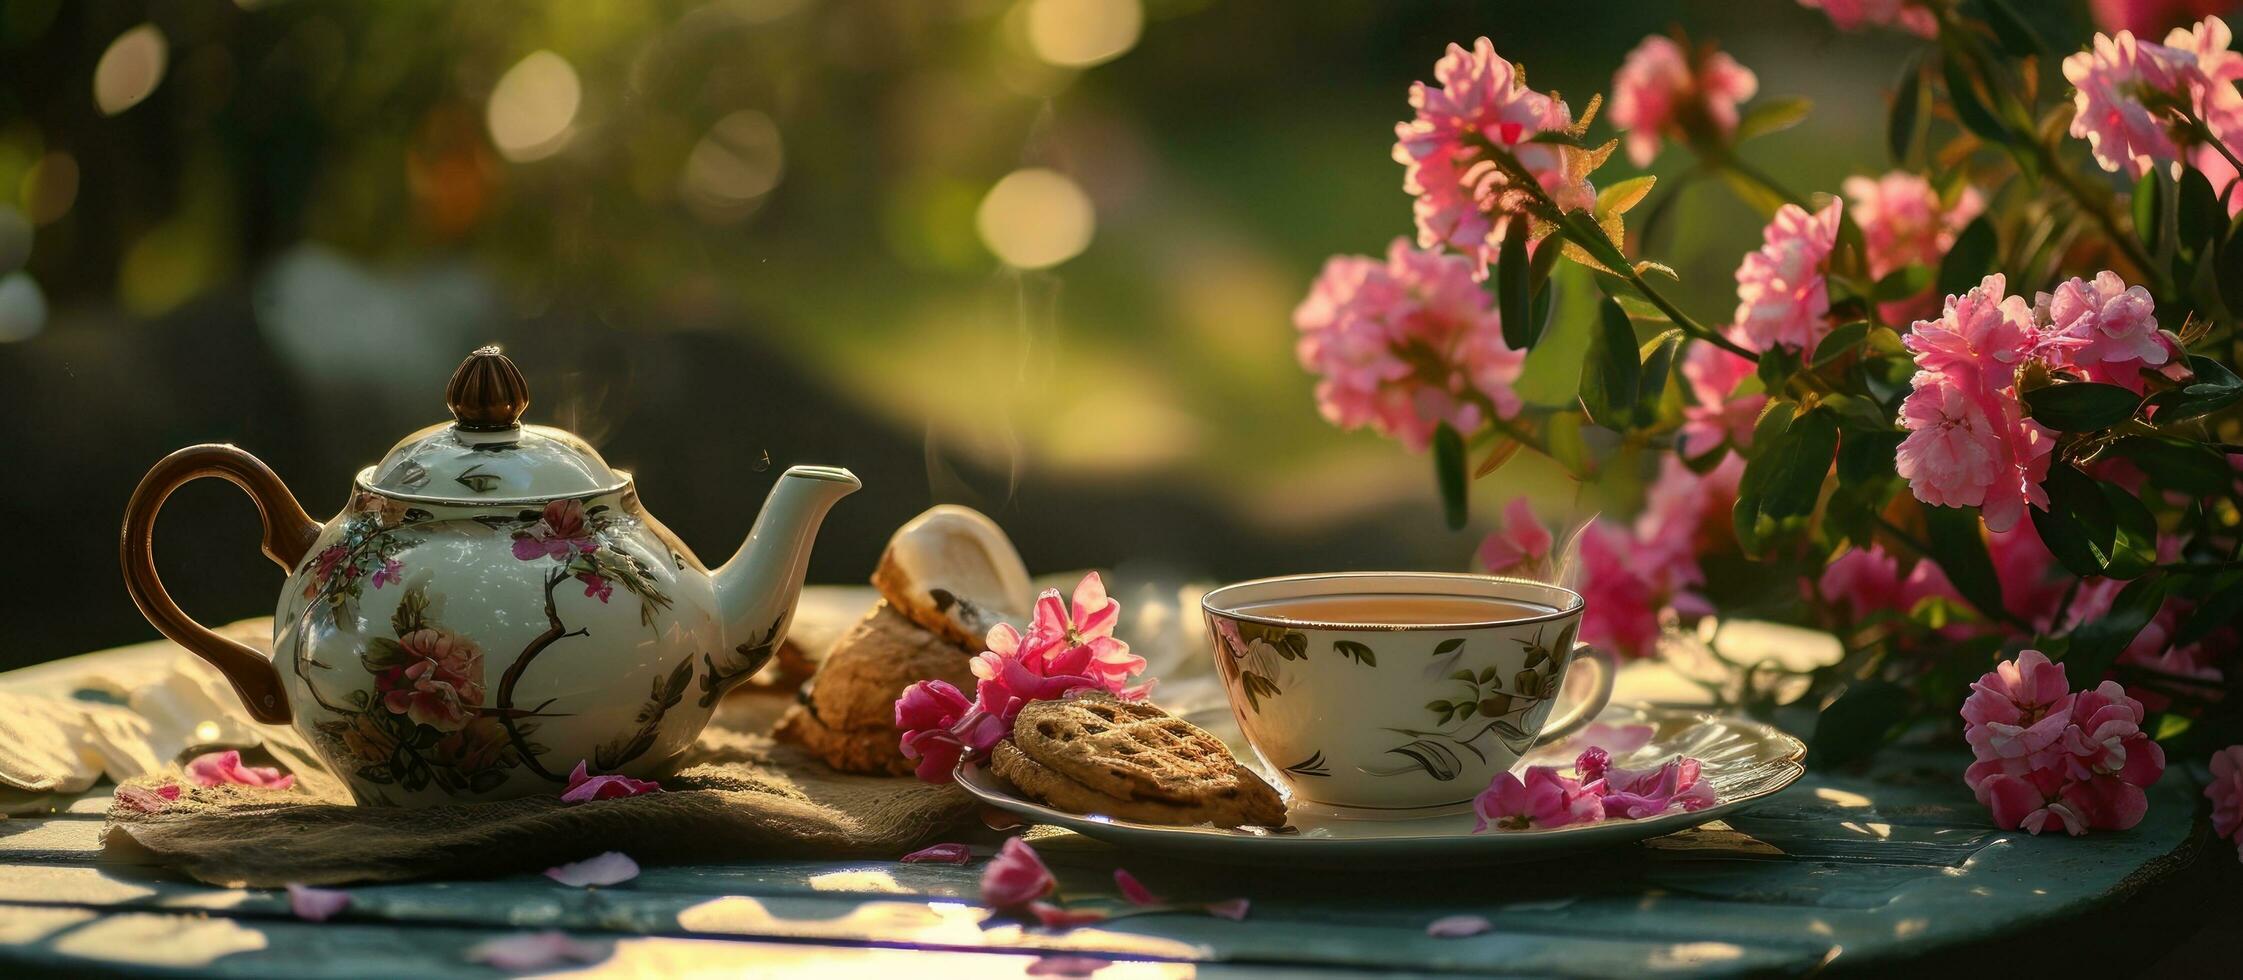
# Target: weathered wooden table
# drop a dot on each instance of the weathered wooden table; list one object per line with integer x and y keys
{"x": 1838, "y": 872}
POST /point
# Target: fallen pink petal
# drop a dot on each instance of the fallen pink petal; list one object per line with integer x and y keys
{"x": 1458, "y": 926}
{"x": 1233, "y": 909}
{"x": 584, "y": 787}
{"x": 225, "y": 769}
{"x": 611, "y": 868}
{"x": 141, "y": 799}
{"x": 1056, "y": 917}
{"x": 1067, "y": 966}
{"x": 316, "y": 904}
{"x": 939, "y": 854}
{"x": 534, "y": 951}
{"x": 1015, "y": 877}
{"x": 1132, "y": 889}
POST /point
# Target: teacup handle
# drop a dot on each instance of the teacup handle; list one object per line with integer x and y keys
{"x": 289, "y": 532}
{"x": 1578, "y": 717}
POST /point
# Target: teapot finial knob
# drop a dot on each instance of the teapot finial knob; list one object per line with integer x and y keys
{"x": 487, "y": 393}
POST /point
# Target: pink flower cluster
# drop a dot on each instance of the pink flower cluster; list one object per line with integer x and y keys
{"x": 1716, "y": 413}
{"x": 2226, "y": 793}
{"x": 1969, "y": 443}
{"x": 1853, "y": 15}
{"x": 2048, "y": 756}
{"x": 1406, "y": 344}
{"x": 1636, "y": 580}
{"x": 1463, "y": 199}
{"x": 2126, "y": 92}
{"x": 440, "y": 682}
{"x": 1064, "y": 650}
{"x": 1904, "y": 222}
{"x": 1661, "y": 91}
{"x": 1604, "y": 791}
{"x": 1783, "y": 296}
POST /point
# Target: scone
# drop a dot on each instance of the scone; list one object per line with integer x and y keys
{"x": 1095, "y": 753}
{"x": 846, "y": 714}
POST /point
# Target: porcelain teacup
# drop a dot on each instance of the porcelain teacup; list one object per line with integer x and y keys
{"x": 1399, "y": 690}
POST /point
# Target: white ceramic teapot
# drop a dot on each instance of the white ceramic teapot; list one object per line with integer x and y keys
{"x": 492, "y": 606}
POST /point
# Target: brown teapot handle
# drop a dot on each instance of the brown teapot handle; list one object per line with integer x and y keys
{"x": 289, "y": 532}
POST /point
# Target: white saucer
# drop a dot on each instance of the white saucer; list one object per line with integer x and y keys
{"x": 1745, "y": 761}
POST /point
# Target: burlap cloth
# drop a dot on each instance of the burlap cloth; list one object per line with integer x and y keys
{"x": 737, "y": 795}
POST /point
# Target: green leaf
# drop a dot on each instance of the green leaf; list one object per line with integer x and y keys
{"x": 2202, "y": 219}
{"x": 2017, "y": 37}
{"x": 2098, "y": 641}
{"x": 2215, "y": 388}
{"x": 1651, "y": 384}
{"x": 2220, "y": 607}
{"x": 1514, "y": 304}
{"x": 1969, "y": 108}
{"x": 2229, "y": 265}
{"x": 1842, "y": 339}
{"x": 1773, "y": 116}
{"x": 2147, "y": 207}
{"x": 1953, "y": 536}
{"x": 1971, "y": 258}
{"x": 1902, "y": 283}
{"x": 1448, "y": 646}
{"x": 1608, "y": 380}
{"x": 1867, "y": 457}
{"x": 1448, "y": 471}
{"x": 1355, "y": 651}
{"x": 2134, "y": 548}
{"x": 1800, "y": 465}
{"x": 1624, "y": 195}
{"x": 2081, "y": 406}
{"x": 1552, "y": 375}
{"x": 2078, "y": 525}
{"x": 1908, "y": 98}
{"x": 1857, "y": 723}
{"x": 2177, "y": 465}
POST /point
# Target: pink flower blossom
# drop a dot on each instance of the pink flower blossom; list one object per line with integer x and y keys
{"x": 1404, "y": 345}
{"x": 1057, "y": 631}
{"x": 2144, "y": 17}
{"x": 1903, "y": 223}
{"x": 1782, "y": 295}
{"x": 1969, "y": 442}
{"x": 1132, "y": 890}
{"x": 2111, "y": 327}
{"x": 316, "y": 904}
{"x": 2019, "y": 710}
{"x": 940, "y": 726}
{"x": 1543, "y": 799}
{"x": 939, "y": 854}
{"x": 428, "y": 699}
{"x": 225, "y": 769}
{"x": 1520, "y": 546}
{"x": 1638, "y": 793}
{"x": 391, "y": 571}
{"x": 560, "y": 533}
{"x": 584, "y": 787}
{"x": 1716, "y": 413}
{"x": 1853, "y": 15}
{"x": 534, "y": 951}
{"x": 1981, "y": 337}
{"x": 1458, "y": 926}
{"x": 2034, "y": 802}
{"x": 1462, "y": 197}
{"x": 1686, "y": 514}
{"x": 1015, "y": 877}
{"x": 2226, "y": 793}
{"x": 1658, "y": 92}
{"x": 596, "y": 586}
{"x": 2126, "y": 90}
{"x": 601, "y": 870}
{"x": 1869, "y": 580}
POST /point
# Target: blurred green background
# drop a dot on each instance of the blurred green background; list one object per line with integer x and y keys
{"x": 1035, "y": 256}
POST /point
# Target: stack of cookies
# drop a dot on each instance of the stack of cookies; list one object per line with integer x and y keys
{"x": 1091, "y": 752}
{"x": 946, "y": 577}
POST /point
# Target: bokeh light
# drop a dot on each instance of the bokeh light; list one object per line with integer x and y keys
{"x": 1035, "y": 219}
{"x": 130, "y": 70}
{"x": 50, "y": 186}
{"x": 23, "y": 308}
{"x": 734, "y": 166}
{"x": 1081, "y": 33}
{"x": 533, "y": 106}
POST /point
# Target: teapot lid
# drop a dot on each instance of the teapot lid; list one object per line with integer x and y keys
{"x": 485, "y": 454}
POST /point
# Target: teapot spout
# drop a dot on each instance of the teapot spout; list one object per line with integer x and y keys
{"x": 757, "y": 588}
